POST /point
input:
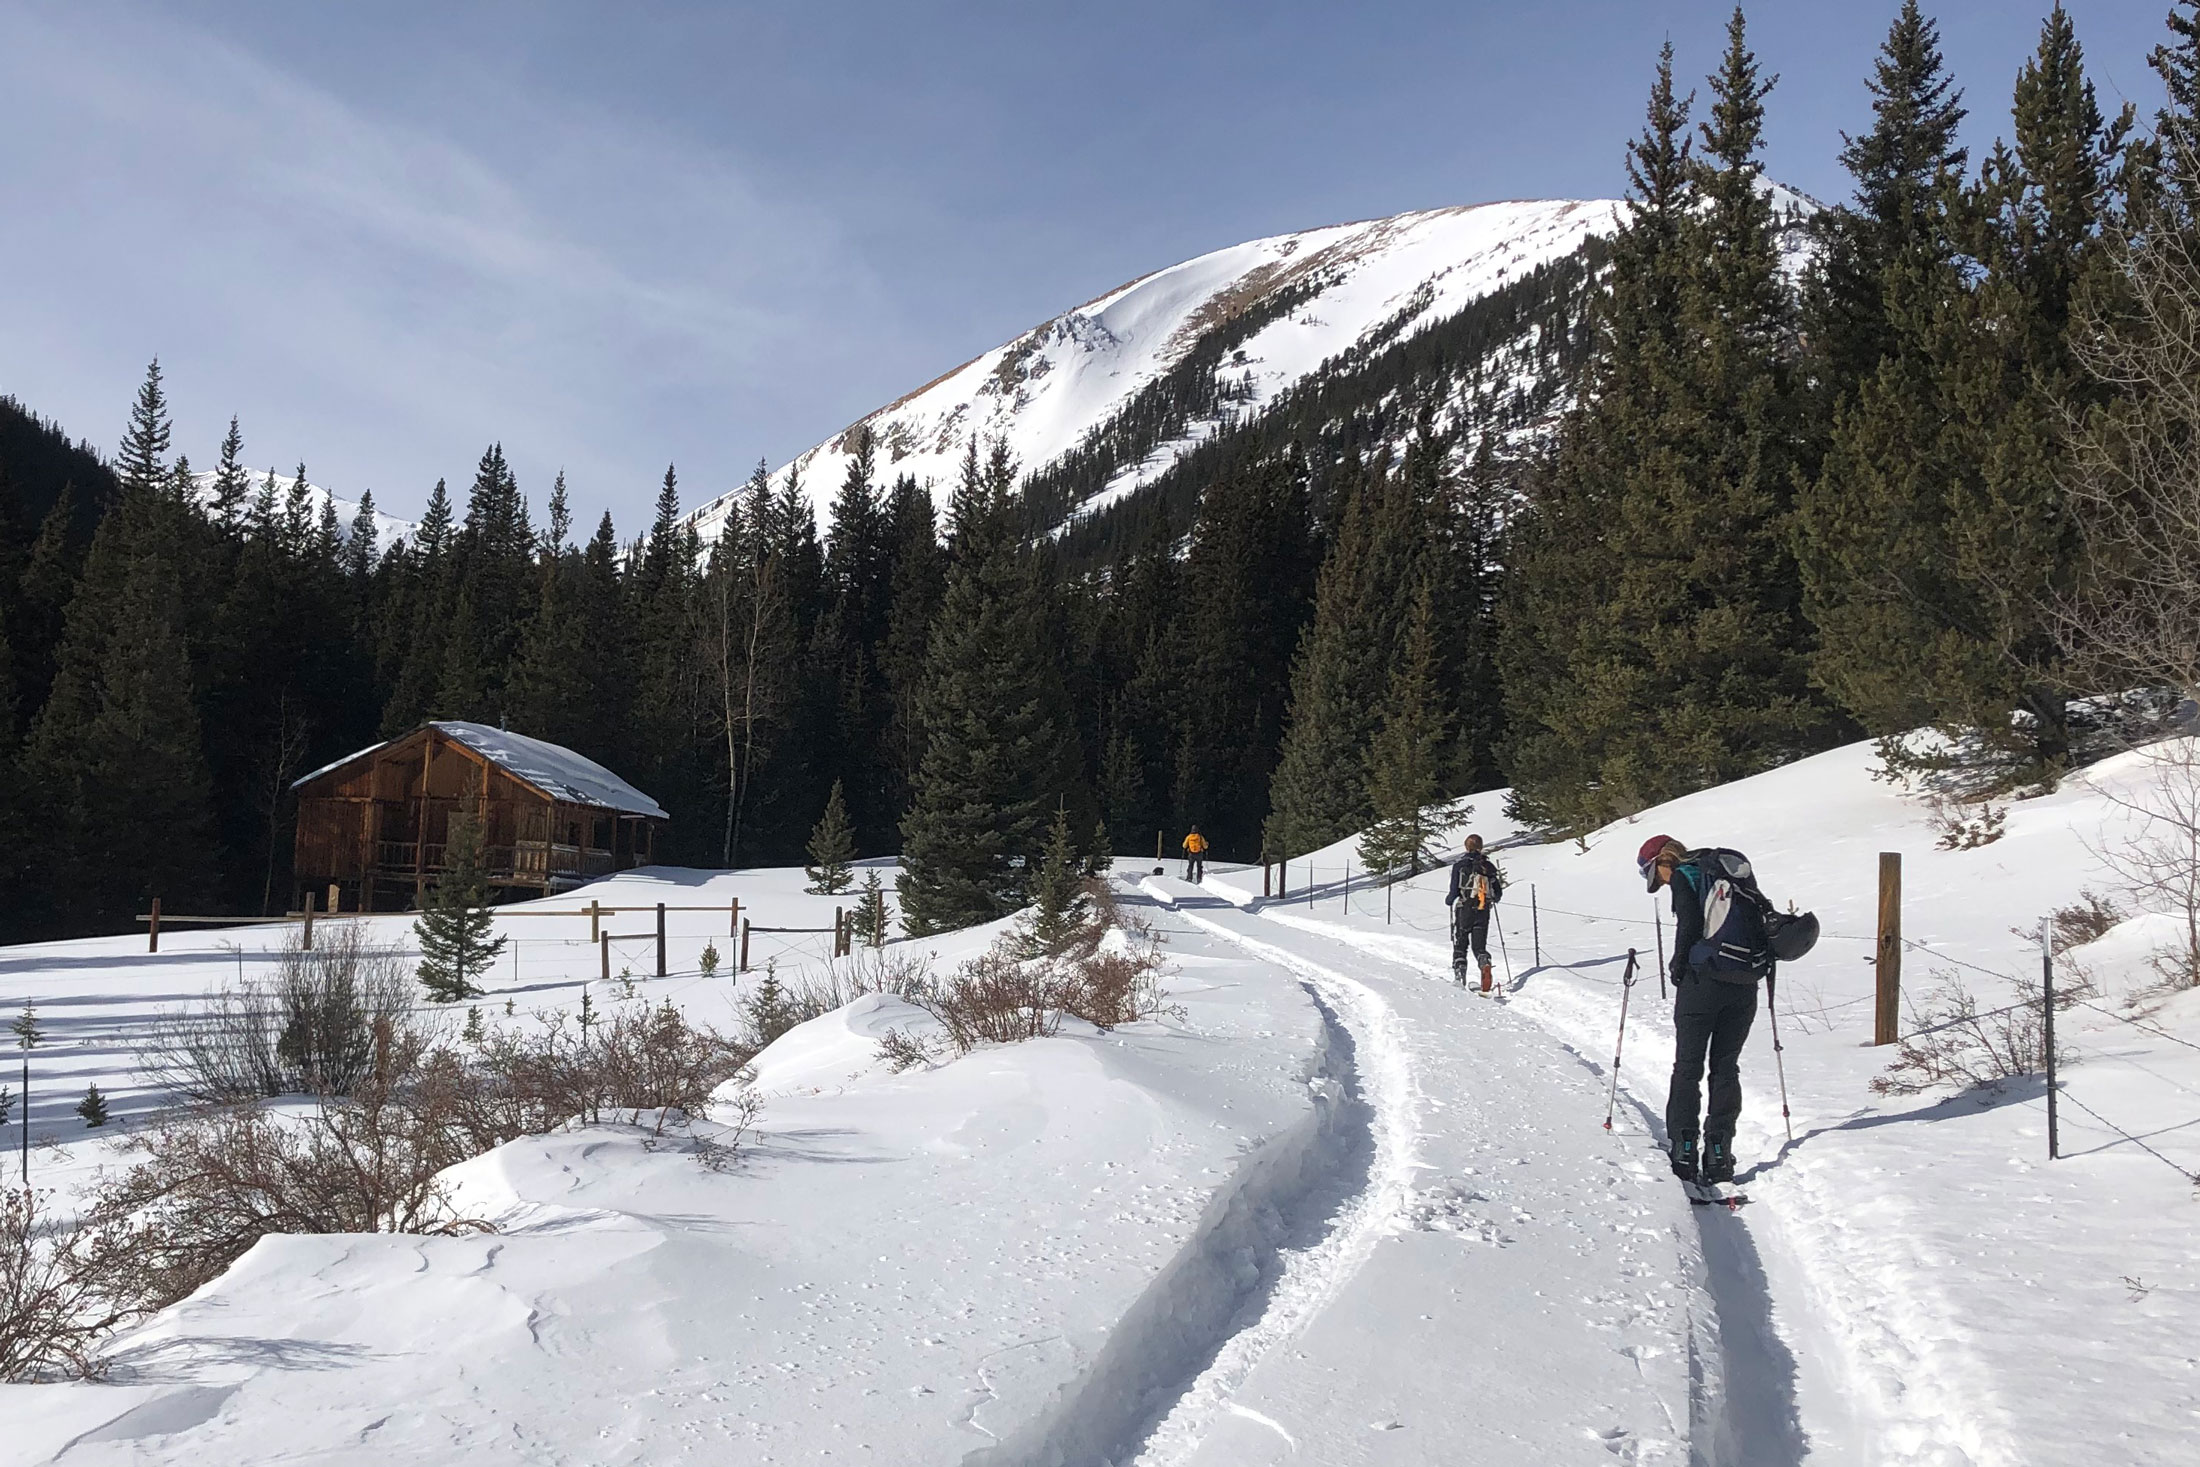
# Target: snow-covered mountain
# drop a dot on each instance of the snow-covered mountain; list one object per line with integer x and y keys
{"x": 1277, "y": 308}
{"x": 388, "y": 529}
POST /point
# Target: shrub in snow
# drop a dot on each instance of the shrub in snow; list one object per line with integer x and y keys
{"x": 1953, "y": 1042}
{"x": 2156, "y": 855}
{"x": 58, "y": 1298}
{"x": 708, "y": 962}
{"x": 309, "y": 1028}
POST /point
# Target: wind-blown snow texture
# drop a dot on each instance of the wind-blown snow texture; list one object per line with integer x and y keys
{"x": 1332, "y": 1208}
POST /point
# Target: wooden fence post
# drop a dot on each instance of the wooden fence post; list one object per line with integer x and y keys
{"x": 1535, "y": 924}
{"x": 733, "y": 918}
{"x": 335, "y": 898}
{"x": 1887, "y": 1016}
{"x": 595, "y": 919}
{"x": 1265, "y": 877}
{"x": 154, "y": 947}
{"x": 744, "y": 946}
{"x": 2047, "y": 1014}
{"x": 603, "y": 945}
{"x": 878, "y": 920}
{"x": 840, "y": 932}
{"x": 660, "y": 939}
{"x": 305, "y": 937}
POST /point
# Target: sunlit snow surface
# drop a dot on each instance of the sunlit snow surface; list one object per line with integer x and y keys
{"x": 1044, "y": 391}
{"x": 1333, "y": 1209}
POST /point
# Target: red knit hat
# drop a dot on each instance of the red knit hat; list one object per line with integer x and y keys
{"x": 1646, "y": 859}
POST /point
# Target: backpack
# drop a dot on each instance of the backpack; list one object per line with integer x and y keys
{"x": 1736, "y": 944}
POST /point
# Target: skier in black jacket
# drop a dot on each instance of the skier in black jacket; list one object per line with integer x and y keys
{"x": 1715, "y": 975}
{"x": 1475, "y": 889}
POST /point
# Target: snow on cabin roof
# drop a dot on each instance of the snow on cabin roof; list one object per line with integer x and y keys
{"x": 552, "y": 768}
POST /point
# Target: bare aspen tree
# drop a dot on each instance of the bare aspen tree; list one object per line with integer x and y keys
{"x": 2134, "y": 481}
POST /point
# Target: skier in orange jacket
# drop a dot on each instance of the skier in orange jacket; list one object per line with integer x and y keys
{"x": 1195, "y": 856}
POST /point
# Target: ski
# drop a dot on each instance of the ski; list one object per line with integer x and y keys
{"x": 1707, "y": 1194}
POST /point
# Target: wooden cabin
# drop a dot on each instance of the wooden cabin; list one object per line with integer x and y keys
{"x": 375, "y": 823}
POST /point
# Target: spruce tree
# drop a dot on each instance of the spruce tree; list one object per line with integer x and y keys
{"x": 1057, "y": 895}
{"x": 993, "y": 741}
{"x": 870, "y": 913}
{"x": 1404, "y": 765}
{"x": 232, "y": 481}
{"x": 142, "y": 462}
{"x": 1939, "y": 539}
{"x": 1681, "y": 650}
{"x": 455, "y": 922}
{"x": 831, "y": 848}
{"x": 93, "y": 1107}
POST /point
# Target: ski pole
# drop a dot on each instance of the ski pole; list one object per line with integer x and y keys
{"x": 1779, "y": 1065}
{"x": 1501, "y": 948}
{"x": 1626, "y": 987}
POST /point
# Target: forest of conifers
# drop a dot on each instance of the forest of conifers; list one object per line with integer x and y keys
{"x": 1915, "y": 466}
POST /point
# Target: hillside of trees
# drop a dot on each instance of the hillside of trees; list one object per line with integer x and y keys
{"x": 1656, "y": 516}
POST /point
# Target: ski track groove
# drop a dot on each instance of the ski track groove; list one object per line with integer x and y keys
{"x": 1926, "y": 1410}
{"x": 1312, "y": 1277}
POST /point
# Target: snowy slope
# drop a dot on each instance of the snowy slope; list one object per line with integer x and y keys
{"x": 1046, "y": 390}
{"x": 388, "y": 529}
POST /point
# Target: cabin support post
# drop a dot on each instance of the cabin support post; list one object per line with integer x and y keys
{"x": 420, "y": 846}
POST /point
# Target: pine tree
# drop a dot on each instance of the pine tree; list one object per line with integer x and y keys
{"x": 115, "y": 758}
{"x": 1404, "y": 764}
{"x": 1057, "y": 896}
{"x": 994, "y": 743}
{"x": 232, "y": 481}
{"x": 1657, "y": 646}
{"x": 870, "y": 913}
{"x": 560, "y": 528}
{"x": 1099, "y": 850}
{"x": 93, "y": 1107}
{"x": 832, "y": 847}
{"x": 142, "y": 462}
{"x": 1938, "y": 537}
{"x": 455, "y": 922}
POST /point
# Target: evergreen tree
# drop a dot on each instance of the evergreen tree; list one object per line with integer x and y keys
{"x": 1404, "y": 765}
{"x": 832, "y": 847}
{"x": 994, "y": 744}
{"x": 232, "y": 481}
{"x": 142, "y": 462}
{"x": 560, "y": 528}
{"x": 1938, "y": 538}
{"x": 1057, "y": 895}
{"x": 115, "y": 757}
{"x": 1657, "y": 647}
{"x": 870, "y": 913}
{"x": 455, "y": 922}
{"x": 1099, "y": 850}
{"x": 93, "y": 1107}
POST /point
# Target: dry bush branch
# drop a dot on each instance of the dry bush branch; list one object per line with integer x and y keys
{"x": 58, "y": 1295}
{"x": 1953, "y": 1042}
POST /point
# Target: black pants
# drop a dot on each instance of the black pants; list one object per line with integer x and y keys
{"x": 1195, "y": 867}
{"x": 1470, "y": 932}
{"x": 1709, "y": 1016}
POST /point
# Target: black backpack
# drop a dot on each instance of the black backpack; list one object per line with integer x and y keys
{"x": 1743, "y": 934}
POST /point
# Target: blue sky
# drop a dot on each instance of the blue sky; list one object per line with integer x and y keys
{"x": 617, "y": 236}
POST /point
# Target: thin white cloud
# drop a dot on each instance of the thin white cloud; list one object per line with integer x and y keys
{"x": 382, "y": 295}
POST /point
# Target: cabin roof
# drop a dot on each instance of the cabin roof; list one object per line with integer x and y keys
{"x": 551, "y": 768}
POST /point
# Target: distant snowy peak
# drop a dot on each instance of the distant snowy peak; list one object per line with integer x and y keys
{"x": 388, "y": 529}
{"x": 1280, "y": 307}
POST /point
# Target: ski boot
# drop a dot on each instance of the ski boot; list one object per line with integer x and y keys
{"x": 1459, "y": 974}
{"x": 1684, "y": 1158}
{"x": 1718, "y": 1162}
{"x": 1485, "y": 977}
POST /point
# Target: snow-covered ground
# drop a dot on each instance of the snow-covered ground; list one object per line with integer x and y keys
{"x": 1329, "y": 1208}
